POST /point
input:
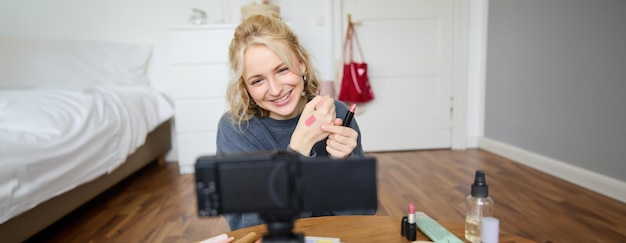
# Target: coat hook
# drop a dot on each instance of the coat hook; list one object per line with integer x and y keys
{"x": 350, "y": 20}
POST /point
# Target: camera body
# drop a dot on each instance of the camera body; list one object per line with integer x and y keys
{"x": 282, "y": 183}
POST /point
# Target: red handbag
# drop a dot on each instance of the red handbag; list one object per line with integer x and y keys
{"x": 355, "y": 85}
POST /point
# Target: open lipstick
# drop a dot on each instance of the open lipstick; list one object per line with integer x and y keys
{"x": 348, "y": 118}
{"x": 411, "y": 231}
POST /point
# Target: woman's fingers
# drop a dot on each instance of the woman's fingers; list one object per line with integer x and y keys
{"x": 341, "y": 141}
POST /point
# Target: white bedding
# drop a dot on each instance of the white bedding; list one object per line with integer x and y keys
{"x": 54, "y": 140}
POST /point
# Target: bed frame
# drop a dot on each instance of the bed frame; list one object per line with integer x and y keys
{"x": 27, "y": 224}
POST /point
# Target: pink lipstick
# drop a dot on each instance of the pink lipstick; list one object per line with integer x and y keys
{"x": 411, "y": 231}
{"x": 348, "y": 118}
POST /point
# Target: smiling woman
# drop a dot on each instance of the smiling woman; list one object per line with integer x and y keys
{"x": 273, "y": 84}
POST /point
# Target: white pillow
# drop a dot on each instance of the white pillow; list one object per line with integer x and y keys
{"x": 71, "y": 64}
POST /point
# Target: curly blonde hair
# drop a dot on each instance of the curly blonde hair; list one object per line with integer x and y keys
{"x": 270, "y": 31}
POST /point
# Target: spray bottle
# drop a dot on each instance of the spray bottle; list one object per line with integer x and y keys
{"x": 478, "y": 205}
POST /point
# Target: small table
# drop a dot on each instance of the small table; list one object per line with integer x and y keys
{"x": 362, "y": 229}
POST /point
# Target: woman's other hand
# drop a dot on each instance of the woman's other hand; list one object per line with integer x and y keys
{"x": 341, "y": 141}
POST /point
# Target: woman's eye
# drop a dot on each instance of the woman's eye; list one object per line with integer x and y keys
{"x": 283, "y": 70}
{"x": 255, "y": 81}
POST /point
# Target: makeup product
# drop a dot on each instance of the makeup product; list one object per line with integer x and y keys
{"x": 434, "y": 230}
{"x": 310, "y": 121}
{"x": 403, "y": 225}
{"x": 478, "y": 204}
{"x": 489, "y": 230}
{"x": 411, "y": 230}
{"x": 348, "y": 119}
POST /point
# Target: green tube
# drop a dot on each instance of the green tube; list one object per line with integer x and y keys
{"x": 434, "y": 230}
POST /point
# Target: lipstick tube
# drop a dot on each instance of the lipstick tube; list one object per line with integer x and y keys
{"x": 404, "y": 224}
{"x": 411, "y": 231}
{"x": 349, "y": 115}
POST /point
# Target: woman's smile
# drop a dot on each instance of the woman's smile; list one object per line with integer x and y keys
{"x": 283, "y": 100}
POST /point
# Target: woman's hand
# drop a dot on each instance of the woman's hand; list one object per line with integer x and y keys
{"x": 319, "y": 111}
{"x": 341, "y": 141}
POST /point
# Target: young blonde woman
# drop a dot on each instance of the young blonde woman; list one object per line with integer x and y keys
{"x": 274, "y": 103}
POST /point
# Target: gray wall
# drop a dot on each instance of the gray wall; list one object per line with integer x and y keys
{"x": 556, "y": 80}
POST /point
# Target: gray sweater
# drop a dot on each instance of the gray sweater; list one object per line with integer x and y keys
{"x": 266, "y": 134}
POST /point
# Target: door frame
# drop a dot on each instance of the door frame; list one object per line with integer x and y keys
{"x": 461, "y": 68}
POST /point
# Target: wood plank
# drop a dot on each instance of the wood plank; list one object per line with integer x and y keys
{"x": 158, "y": 205}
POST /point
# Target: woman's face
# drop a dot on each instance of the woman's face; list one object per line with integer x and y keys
{"x": 271, "y": 84}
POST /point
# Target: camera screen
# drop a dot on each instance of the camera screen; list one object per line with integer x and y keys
{"x": 282, "y": 183}
{"x": 254, "y": 184}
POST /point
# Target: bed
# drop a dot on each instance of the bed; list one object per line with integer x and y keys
{"x": 76, "y": 117}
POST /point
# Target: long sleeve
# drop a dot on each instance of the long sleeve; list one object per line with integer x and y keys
{"x": 232, "y": 138}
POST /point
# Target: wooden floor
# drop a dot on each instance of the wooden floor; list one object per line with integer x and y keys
{"x": 158, "y": 205}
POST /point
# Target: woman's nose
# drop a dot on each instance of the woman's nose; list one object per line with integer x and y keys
{"x": 274, "y": 87}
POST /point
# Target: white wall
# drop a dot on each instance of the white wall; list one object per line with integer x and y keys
{"x": 478, "y": 16}
{"x": 147, "y": 22}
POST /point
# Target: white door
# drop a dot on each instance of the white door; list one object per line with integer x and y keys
{"x": 408, "y": 45}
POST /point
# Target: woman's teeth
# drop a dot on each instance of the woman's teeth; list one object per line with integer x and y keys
{"x": 281, "y": 99}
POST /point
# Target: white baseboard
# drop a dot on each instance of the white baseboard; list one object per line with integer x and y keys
{"x": 599, "y": 183}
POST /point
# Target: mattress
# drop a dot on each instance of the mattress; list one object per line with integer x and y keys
{"x": 52, "y": 141}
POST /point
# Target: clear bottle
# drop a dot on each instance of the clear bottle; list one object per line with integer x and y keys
{"x": 478, "y": 205}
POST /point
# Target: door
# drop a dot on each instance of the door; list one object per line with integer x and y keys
{"x": 408, "y": 45}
